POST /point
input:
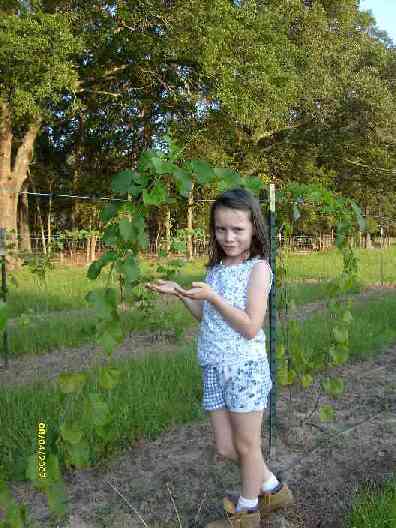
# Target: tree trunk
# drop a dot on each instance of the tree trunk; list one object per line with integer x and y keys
{"x": 8, "y": 191}
{"x": 88, "y": 250}
{"x": 94, "y": 240}
{"x": 168, "y": 230}
{"x": 40, "y": 220}
{"x": 23, "y": 224}
{"x": 49, "y": 229}
{"x": 13, "y": 178}
{"x": 190, "y": 224}
{"x": 368, "y": 244}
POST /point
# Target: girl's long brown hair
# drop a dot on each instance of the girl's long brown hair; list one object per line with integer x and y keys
{"x": 242, "y": 200}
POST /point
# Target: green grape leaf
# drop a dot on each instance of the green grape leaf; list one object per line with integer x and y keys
{"x": 53, "y": 468}
{"x": 70, "y": 433}
{"x": 129, "y": 269}
{"x": 282, "y": 376}
{"x": 183, "y": 181}
{"x": 280, "y": 351}
{"x": 347, "y": 317}
{"x": 110, "y": 336}
{"x": 253, "y": 184}
{"x": 109, "y": 212}
{"x": 111, "y": 235}
{"x": 307, "y": 380}
{"x": 228, "y": 177}
{"x": 341, "y": 335}
{"x": 69, "y": 383}
{"x": 96, "y": 267}
{"x": 157, "y": 196}
{"x": 104, "y": 301}
{"x": 3, "y": 315}
{"x": 326, "y": 413}
{"x": 203, "y": 171}
{"x": 109, "y": 377}
{"x": 122, "y": 181}
{"x": 105, "y": 432}
{"x": 94, "y": 270}
{"x": 163, "y": 166}
{"x": 291, "y": 376}
{"x": 334, "y": 386}
{"x": 139, "y": 234}
{"x": 99, "y": 409}
{"x": 338, "y": 356}
{"x": 79, "y": 454}
{"x": 126, "y": 229}
{"x": 359, "y": 217}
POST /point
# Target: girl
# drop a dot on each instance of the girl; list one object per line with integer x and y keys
{"x": 231, "y": 306}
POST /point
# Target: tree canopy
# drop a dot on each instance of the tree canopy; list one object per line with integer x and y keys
{"x": 285, "y": 90}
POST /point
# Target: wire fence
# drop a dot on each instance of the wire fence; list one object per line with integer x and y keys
{"x": 82, "y": 250}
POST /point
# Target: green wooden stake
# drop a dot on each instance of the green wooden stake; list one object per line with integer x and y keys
{"x": 273, "y": 320}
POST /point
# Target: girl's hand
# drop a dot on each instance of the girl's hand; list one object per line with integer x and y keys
{"x": 200, "y": 291}
{"x": 162, "y": 286}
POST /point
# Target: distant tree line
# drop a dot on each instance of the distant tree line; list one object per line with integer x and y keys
{"x": 286, "y": 90}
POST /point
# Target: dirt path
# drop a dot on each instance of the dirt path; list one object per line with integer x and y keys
{"x": 323, "y": 465}
{"x": 30, "y": 369}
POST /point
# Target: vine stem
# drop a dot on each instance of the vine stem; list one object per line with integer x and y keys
{"x": 174, "y": 505}
{"x": 135, "y": 511}
{"x": 315, "y": 408}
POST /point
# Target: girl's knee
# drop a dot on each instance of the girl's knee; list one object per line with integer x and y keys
{"x": 247, "y": 447}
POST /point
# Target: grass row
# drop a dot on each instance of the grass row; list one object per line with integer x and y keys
{"x": 39, "y": 334}
{"x": 66, "y": 287}
{"x": 157, "y": 392}
{"x": 38, "y": 329}
{"x": 374, "y": 506}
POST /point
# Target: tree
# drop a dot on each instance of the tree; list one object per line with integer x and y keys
{"x": 35, "y": 58}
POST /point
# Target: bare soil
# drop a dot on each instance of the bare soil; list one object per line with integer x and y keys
{"x": 178, "y": 476}
{"x": 177, "y": 480}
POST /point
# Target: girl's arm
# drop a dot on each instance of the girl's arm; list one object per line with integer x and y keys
{"x": 195, "y": 307}
{"x": 172, "y": 288}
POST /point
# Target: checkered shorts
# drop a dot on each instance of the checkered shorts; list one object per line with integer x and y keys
{"x": 240, "y": 387}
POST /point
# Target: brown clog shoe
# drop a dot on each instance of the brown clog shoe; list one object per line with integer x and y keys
{"x": 232, "y": 519}
{"x": 280, "y": 497}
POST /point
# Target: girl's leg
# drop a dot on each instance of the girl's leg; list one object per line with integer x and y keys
{"x": 246, "y": 435}
{"x": 221, "y": 423}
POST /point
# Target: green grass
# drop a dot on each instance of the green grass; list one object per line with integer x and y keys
{"x": 327, "y": 265}
{"x": 374, "y": 507}
{"x": 153, "y": 394}
{"x": 160, "y": 391}
{"x": 40, "y": 333}
{"x": 65, "y": 288}
{"x": 373, "y": 328}
{"x": 37, "y": 329}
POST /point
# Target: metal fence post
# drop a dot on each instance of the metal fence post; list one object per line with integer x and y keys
{"x": 273, "y": 319}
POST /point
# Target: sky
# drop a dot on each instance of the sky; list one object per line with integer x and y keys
{"x": 384, "y": 12}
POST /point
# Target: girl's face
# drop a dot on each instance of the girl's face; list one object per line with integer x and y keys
{"x": 234, "y": 232}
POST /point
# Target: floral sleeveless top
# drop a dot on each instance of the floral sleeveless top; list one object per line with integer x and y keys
{"x": 218, "y": 342}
